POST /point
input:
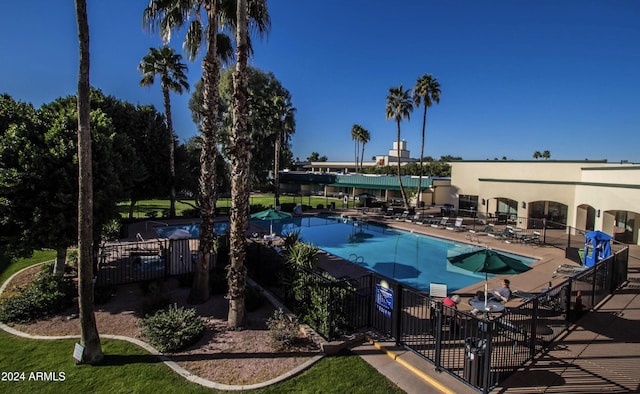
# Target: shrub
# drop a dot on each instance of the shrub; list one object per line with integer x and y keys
{"x": 283, "y": 329}
{"x": 47, "y": 294}
{"x": 111, "y": 230}
{"x": 173, "y": 329}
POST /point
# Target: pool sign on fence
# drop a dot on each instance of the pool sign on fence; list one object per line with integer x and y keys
{"x": 384, "y": 300}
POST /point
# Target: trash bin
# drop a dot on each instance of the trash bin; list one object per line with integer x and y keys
{"x": 333, "y": 205}
{"x": 474, "y": 350}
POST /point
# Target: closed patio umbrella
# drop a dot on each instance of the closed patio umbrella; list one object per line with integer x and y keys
{"x": 490, "y": 262}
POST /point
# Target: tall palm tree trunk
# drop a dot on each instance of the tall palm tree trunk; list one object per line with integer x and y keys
{"x": 404, "y": 195}
{"x": 172, "y": 164}
{"x": 424, "y": 123}
{"x": 211, "y": 75}
{"x": 276, "y": 165}
{"x": 89, "y": 337}
{"x": 240, "y": 156}
{"x": 362, "y": 155}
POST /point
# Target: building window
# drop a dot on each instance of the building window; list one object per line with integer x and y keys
{"x": 467, "y": 205}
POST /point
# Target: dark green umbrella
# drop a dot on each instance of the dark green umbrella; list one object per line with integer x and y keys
{"x": 365, "y": 197}
{"x": 271, "y": 215}
{"x": 490, "y": 262}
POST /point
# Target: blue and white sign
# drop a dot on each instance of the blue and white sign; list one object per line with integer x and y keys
{"x": 384, "y": 300}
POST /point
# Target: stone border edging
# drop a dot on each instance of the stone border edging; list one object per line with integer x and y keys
{"x": 166, "y": 359}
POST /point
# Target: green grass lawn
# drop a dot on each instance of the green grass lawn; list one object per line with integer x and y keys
{"x": 130, "y": 369}
{"x": 144, "y": 208}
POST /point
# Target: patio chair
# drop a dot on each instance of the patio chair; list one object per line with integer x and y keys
{"x": 443, "y": 223}
{"x": 533, "y": 239}
{"x": 402, "y": 216}
{"x": 425, "y": 220}
{"x": 414, "y": 218}
{"x": 388, "y": 214}
{"x": 568, "y": 270}
{"x": 457, "y": 225}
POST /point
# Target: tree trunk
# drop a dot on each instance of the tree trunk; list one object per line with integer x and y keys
{"x": 207, "y": 182}
{"x": 240, "y": 156}
{"x": 276, "y": 165}
{"x": 424, "y": 124}
{"x": 132, "y": 206}
{"x": 172, "y": 162}
{"x": 60, "y": 263}
{"x": 88, "y": 331}
{"x": 404, "y": 195}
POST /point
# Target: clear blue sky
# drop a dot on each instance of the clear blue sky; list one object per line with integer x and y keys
{"x": 516, "y": 76}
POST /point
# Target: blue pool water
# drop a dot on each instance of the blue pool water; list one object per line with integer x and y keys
{"x": 193, "y": 229}
{"x": 413, "y": 259}
{"x": 410, "y": 258}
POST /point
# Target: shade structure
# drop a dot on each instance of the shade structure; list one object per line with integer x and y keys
{"x": 271, "y": 215}
{"x": 365, "y": 197}
{"x": 490, "y": 262}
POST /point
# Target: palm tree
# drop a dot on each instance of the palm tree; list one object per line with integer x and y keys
{"x": 89, "y": 337}
{"x": 240, "y": 155}
{"x": 427, "y": 92}
{"x": 546, "y": 155}
{"x": 356, "y": 132}
{"x": 365, "y": 137}
{"x": 537, "y": 155}
{"x": 165, "y": 63}
{"x": 284, "y": 124}
{"x": 166, "y": 16}
{"x": 399, "y": 106}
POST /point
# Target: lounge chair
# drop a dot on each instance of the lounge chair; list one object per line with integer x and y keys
{"x": 457, "y": 225}
{"x": 443, "y": 223}
{"x": 402, "y": 216}
{"x": 425, "y": 220}
{"x": 415, "y": 218}
{"x": 568, "y": 270}
{"x": 533, "y": 239}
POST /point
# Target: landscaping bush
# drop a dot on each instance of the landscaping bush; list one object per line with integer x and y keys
{"x": 47, "y": 294}
{"x": 283, "y": 329}
{"x": 174, "y": 329}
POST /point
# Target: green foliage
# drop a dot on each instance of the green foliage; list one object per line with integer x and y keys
{"x": 111, "y": 230}
{"x": 173, "y": 329}
{"x": 291, "y": 238}
{"x": 303, "y": 255}
{"x": 283, "y": 329}
{"x": 47, "y": 294}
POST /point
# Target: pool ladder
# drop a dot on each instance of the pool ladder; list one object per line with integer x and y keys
{"x": 354, "y": 258}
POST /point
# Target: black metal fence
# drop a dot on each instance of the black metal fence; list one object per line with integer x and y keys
{"x": 482, "y": 351}
{"x": 121, "y": 263}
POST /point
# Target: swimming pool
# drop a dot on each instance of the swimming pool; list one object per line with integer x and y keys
{"x": 193, "y": 229}
{"x": 410, "y": 258}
